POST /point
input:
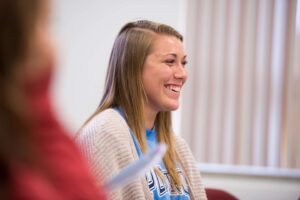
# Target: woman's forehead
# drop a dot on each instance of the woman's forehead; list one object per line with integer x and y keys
{"x": 165, "y": 44}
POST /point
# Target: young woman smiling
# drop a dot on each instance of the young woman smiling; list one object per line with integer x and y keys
{"x": 145, "y": 76}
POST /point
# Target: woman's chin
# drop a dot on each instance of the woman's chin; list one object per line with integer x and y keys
{"x": 172, "y": 107}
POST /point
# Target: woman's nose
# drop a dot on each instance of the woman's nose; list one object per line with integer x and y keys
{"x": 180, "y": 72}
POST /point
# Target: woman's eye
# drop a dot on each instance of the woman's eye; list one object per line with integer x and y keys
{"x": 184, "y": 63}
{"x": 170, "y": 62}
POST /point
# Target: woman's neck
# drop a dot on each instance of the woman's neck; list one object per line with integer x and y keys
{"x": 150, "y": 116}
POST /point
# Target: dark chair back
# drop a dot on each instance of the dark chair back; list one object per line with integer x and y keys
{"x": 218, "y": 194}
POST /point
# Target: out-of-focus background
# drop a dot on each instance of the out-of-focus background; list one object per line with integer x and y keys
{"x": 240, "y": 109}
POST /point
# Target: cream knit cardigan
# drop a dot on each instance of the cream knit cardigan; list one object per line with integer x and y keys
{"x": 107, "y": 144}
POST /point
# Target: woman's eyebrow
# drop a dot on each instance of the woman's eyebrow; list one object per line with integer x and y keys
{"x": 174, "y": 55}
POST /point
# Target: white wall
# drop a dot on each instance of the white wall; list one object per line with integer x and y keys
{"x": 84, "y": 32}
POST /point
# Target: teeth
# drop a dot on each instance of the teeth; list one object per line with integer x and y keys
{"x": 174, "y": 88}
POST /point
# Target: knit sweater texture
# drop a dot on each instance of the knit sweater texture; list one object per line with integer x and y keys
{"x": 108, "y": 146}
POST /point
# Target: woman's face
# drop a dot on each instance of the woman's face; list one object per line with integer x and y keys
{"x": 164, "y": 74}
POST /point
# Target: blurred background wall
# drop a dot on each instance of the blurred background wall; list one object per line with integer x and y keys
{"x": 240, "y": 108}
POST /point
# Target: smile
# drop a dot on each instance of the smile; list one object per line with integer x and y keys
{"x": 173, "y": 88}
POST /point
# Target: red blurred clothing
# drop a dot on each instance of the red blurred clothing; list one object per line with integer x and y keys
{"x": 66, "y": 175}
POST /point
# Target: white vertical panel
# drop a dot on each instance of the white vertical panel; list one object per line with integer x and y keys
{"x": 297, "y": 125}
{"x": 297, "y": 153}
{"x": 296, "y": 90}
{"x": 204, "y": 35}
{"x": 188, "y": 131}
{"x": 297, "y": 27}
{"x": 295, "y": 105}
{"x": 217, "y": 66}
{"x": 286, "y": 145}
{"x": 247, "y": 64}
{"x": 297, "y": 80}
{"x": 232, "y": 51}
{"x": 276, "y": 82}
{"x": 260, "y": 88}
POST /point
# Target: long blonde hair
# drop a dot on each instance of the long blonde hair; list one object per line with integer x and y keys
{"x": 124, "y": 87}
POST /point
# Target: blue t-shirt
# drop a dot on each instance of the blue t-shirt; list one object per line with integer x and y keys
{"x": 161, "y": 189}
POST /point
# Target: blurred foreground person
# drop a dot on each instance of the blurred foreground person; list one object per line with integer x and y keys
{"x": 38, "y": 160}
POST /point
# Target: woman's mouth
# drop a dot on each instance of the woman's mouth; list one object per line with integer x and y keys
{"x": 173, "y": 88}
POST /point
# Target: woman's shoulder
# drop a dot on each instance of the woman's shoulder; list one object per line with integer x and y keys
{"x": 106, "y": 123}
{"x": 106, "y": 134}
{"x": 108, "y": 116}
{"x": 179, "y": 141}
